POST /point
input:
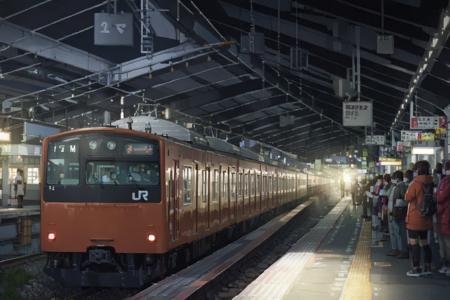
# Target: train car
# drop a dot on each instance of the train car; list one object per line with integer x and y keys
{"x": 120, "y": 207}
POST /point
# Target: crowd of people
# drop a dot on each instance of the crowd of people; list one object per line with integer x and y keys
{"x": 412, "y": 210}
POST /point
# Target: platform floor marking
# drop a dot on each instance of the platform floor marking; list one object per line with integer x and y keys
{"x": 358, "y": 285}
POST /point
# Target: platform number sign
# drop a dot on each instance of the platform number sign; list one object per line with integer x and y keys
{"x": 113, "y": 29}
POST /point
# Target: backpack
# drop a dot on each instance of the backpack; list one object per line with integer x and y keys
{"x": 429, "y": 206}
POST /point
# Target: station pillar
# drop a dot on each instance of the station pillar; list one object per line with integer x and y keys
{"x": 5, "y": 183}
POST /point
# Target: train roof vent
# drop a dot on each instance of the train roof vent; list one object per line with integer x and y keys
{"x": 163, "y": 128}
{"x": 221, "y": 145}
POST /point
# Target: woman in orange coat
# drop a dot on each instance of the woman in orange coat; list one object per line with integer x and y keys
{"x": 418, "y": 225}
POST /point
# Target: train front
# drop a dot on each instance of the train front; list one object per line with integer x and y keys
{"x": 102, "y": 218}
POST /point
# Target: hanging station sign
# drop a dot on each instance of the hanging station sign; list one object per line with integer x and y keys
{"x": 113, "y": 29}
{"x": 413, "y": 136}
{"x": 430, "y": 122}
{"x": 375, "y": 140}
{"x": 357, "y": 113}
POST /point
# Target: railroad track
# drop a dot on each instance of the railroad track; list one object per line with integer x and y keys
{"x": 204, "y": 279}
{"x": 21, "y": 260}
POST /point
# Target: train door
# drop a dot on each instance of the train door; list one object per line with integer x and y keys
{"x": 174, "y": 201}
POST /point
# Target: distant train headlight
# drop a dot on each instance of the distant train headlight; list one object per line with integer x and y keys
{"x": 93, "y": 145}
{"x": 111, "y": 145}
{"x": 51, "y": 236}
{"x": 151, "y": 238}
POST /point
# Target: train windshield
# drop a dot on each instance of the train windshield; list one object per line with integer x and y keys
{"x": 122, "y": 173}
{"x": 102, "y": 168}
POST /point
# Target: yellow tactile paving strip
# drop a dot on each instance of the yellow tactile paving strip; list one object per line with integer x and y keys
{"x": 358, "y": 285}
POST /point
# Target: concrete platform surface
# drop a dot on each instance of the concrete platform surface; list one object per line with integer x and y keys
{"x": 347, "y": 265}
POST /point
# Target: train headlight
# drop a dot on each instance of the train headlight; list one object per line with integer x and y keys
{"x": 151, "y": 238}
{"x": 93, "y": 145}
{"x": 51, "y": 236}
{"x": 111, "y": 145}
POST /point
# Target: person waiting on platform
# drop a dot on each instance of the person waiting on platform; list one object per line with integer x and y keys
{"x": 397, "y": 208}
{"x": 385, "y": 193}
{"x": 417, "y": 222}
{"x": 443, "y": 220}
{"x": 376, "y": 213}
{"x": 19, "y": 187}
{"x": 408, "y": 178}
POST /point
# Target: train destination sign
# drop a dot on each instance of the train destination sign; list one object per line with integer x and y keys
{"x": 139, "y": 149}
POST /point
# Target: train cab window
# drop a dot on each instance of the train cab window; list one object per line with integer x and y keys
{"x": 187, "y": 185}
{"x": 63, "y": 167}
{"x": 122, "y": 173}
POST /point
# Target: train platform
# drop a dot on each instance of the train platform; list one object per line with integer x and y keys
{"x": 343, "y": 264}
{"x": 14, "y": 212}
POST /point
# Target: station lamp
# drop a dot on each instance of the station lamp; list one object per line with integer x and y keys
{"x": 5, "y": 136}
{"x": 423, "y": 150}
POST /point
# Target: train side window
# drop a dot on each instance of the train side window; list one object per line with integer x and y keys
{"x": 239, "y": 186}
{"x": 269, "y": 186}
{"x": 225, "y": 185}
{"x": 252, "y": 184}
{"x": 245, "y": 185}
{"x": 202, "y": 181}
{"x": 233, "y": 185}
{"x": 215, "y": 185}
{"x": 258, "y": 185}
{"x": 264, "y": 189}
{"x": 187, "y": 185}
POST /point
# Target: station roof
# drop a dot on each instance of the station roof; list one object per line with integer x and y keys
{"x": 51, "y": 70}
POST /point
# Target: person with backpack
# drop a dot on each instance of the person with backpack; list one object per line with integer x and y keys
{"x": 443, "y": 220}
{"x": 419, "y": 218}
{"x": 397, "y": 208}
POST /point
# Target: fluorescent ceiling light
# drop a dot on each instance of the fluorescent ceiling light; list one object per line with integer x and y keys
{"x": 434, "y": 42}
{"x": 423, "y": 150}
{"x": 391, "y": 163}
{"x": 445, "y": 23}
{"x": 403, "y": 106}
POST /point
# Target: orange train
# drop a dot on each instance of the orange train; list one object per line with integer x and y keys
{"x": 120, "y": 207}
